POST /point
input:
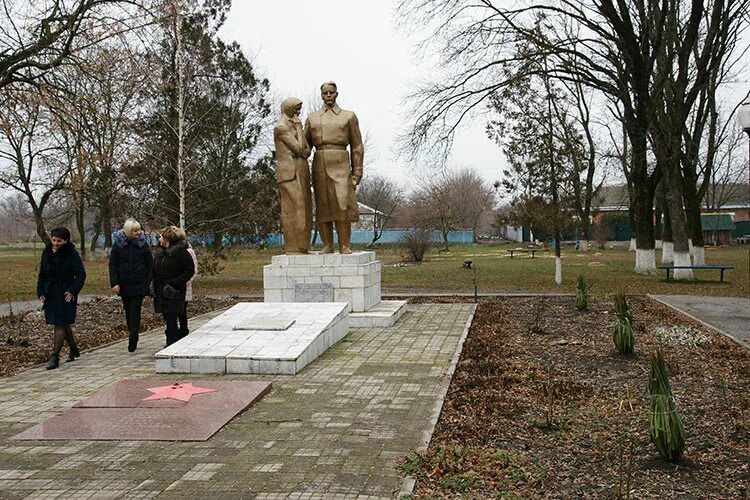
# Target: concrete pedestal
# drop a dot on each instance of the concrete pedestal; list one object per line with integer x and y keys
{"x": 353, "y": 278}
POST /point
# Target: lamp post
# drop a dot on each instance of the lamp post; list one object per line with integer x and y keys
{"x": 467, "y": 265}
{"x": 744, "y": 116}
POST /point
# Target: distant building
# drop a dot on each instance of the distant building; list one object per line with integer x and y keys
{"x": 731, "y": 200}
{"x": 368, "y": 217}
{"x": 717, "y": 229}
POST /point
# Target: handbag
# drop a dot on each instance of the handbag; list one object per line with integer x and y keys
{"x": 170, "y": 292}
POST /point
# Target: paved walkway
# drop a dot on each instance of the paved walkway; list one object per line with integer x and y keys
{"x": 728, "y": 315}
{"x": 335, "y": 430}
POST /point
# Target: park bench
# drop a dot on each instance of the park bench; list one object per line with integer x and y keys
{"x": 526, "y": 250}
{"x": 722, "y": 268}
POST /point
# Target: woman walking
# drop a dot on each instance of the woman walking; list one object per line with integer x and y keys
{"x": 183, "y": 318}
{"x": 172, "y": 269}
{"x": 129, "y": 267}
{"x": 61, "y": 278}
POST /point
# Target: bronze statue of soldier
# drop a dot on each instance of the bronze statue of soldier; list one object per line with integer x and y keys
{"x": 336, "y": 170}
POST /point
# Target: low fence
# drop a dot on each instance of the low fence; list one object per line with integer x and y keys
{"x": 391, "y": 236}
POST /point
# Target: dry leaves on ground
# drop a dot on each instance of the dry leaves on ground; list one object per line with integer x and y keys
{"x": 27, "y": 341}
{"x": 560, "y": 414}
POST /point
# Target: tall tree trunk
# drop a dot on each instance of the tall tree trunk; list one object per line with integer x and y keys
{"x": 658, "y": 213}
{"x": 642, "y": 206}
{"x": 667, "y": 251}
{"x": 39, "y": 222}
{"x": 631, "y": 220}
{"x": 695, "y": 231}
{"x": 80, "y": 210}
{"x": 558, "y": 258}
{"x": 674, "y": 195}
{"x": 180, "y": 111}
{"x": 106, "y": 225}
{"x": 97, "y": 232}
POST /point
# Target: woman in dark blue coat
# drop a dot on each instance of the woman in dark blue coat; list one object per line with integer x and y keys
{"x": 173, "y": 267}
{"x": 61, "y": 278}
{"x": 129, "y": 267}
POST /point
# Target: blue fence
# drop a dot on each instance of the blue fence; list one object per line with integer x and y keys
{"x": 359, "y": 237}
{"x": 397, "y": 235}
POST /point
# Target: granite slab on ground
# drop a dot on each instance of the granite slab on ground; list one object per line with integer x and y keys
{"x": 139, "y": 410}
{"x": 258, "y": 337}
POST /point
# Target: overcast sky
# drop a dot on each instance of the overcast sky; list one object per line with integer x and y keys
{"x": 299, "y": 44}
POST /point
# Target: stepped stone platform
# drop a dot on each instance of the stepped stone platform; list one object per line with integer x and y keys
{"x": 384, "y": 314}
{"x": 353, "y": 278}
{"x": 261, "y": 338}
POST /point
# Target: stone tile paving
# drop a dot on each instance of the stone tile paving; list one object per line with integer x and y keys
{"x": 335, "y": 430}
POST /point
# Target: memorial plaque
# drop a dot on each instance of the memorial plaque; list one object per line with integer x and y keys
{"x": 273, "y": 323}
{"x": 313, "y": 292}
{"x": 102, "y": 416}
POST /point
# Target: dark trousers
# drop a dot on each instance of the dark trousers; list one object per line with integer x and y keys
{"x": 172, "y": 331}
{"x": 132, "y": 307}
{"x": 184, "y": 330}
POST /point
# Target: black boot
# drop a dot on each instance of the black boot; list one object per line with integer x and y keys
{"x": 73, "y": 354}
{"x": 53, "y": 362}
{"x": 73, "y": 347}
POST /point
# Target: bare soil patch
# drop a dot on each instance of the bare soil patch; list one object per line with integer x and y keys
{"x": 560, "y": 414}
{"x": 27, "y": 341}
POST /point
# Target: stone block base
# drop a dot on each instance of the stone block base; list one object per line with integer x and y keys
{"x": 353, "y": 278}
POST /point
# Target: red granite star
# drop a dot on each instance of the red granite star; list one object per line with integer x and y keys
{"x": 180, "y": 392}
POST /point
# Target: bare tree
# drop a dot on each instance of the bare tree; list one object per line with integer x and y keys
{"x": 449, "y": 200}
{"x": 16, "y": 219}
{"x": 36, "y": 37}
{"x": 646, "y": 56}
{"x": 32, "y": 164}
{"x": 384, "y": 196}
{"x": 432, "y": 205}
{"x": 473, "y": 196}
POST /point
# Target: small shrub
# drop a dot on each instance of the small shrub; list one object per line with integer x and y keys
{"x": 536, "y": 324}
{"x": 623, "y": 336}
{"x": 417, "y": 242}
{"x": 550, "y": 396}
{"x": 457, "y": 482}
{"x": 664, "y": 423}
{"x": 411, "y": 464}
{"x": 582, "y": 294}
{"x": 210, "y": 260}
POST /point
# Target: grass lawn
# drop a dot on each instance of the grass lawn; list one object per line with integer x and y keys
{"x": 610, "y": 270}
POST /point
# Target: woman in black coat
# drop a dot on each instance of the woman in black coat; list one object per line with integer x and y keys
{"x": 172, "y": 269}
{"x": 61, "y": 278}
{"x": 129, "y": 268}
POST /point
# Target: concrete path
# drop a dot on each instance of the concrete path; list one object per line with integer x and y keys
{"x": 728, "y": 315}
{"x": 336, "y": 430}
